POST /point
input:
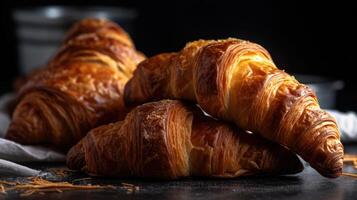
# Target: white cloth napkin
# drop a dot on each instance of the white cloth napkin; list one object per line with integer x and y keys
{"x": 347, "y": 123}
{"x": 13, "y": 156}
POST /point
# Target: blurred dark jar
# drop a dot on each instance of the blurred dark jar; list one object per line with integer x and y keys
{"x": 325, "y": 88}
{"x": 40, "y": 30}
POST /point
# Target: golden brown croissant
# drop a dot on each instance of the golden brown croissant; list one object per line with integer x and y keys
{"x": 168, "y": 139}
{"x": 82, "y": 87}
{"x": 237, "y": 80}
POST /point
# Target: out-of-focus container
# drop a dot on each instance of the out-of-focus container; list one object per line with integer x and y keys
{"x": 325, "y": 88}
{"x": 40, "y": 30}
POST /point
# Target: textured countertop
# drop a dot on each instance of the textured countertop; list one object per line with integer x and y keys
{"x": 306, "y": 185}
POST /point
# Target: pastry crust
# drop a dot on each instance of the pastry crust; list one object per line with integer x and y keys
{"x": 81, "y": 87}
{"x": 237, "y": 80}
{"x": 170, "y": 139}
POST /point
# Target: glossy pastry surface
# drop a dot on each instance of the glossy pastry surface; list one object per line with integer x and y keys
{"x": 80, "y": 88}
{"x": 237, "y": 80}
{"x": 169, "y": 139}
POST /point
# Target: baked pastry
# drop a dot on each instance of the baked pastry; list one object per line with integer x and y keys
{"x": 237, "y": 80}
{"x": 169, "y": 139}
{"x": 80, "y": 88}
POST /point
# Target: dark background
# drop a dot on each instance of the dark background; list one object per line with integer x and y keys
{"x": 302, "y": 37}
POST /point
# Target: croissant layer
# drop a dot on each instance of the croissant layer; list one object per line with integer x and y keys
{"x": 237, "y": 80}
{"x": 170, "y": 139}
{"x": 80, "y": 88}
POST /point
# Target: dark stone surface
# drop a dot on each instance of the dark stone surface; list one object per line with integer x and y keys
{"x": 306, "y": 185}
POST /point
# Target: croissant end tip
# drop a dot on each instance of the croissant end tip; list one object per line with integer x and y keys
{"x": 333, "y": 171}
{"x": 75, "y": 157}
{"x": 16, "y": 132}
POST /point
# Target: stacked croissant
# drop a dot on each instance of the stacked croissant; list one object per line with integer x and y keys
{"x": 232, "y": 111}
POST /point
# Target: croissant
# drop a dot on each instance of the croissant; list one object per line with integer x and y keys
{"x": 170, "y": 139}
{"x": 237, "y": 80}
{"x": 80, "y": 88}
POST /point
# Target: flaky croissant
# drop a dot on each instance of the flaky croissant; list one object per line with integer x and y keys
{"x": 237, "y": 80}
{"x": 169, "y": 139}
{"x": 81, "y": 87}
